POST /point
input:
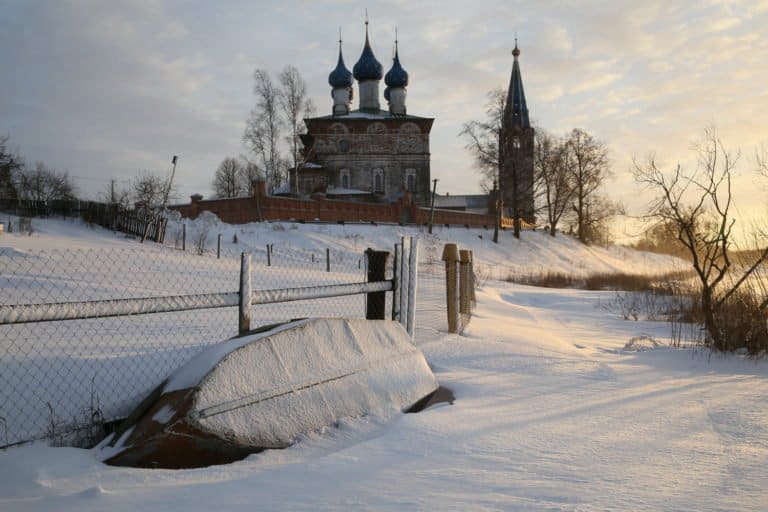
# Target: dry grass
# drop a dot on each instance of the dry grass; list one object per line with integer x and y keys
{"x": 742, "y": 320}
{"x": 606, "y": 281}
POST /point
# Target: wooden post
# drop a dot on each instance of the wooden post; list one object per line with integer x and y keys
{"x": 328, "y": 259}
{"x": 451, "y": 257}
{"x": 376, "y": 302}
{"x": 218, "y": 247}
{"x": 183, "y": 237}
{"x": 244, "y": 315}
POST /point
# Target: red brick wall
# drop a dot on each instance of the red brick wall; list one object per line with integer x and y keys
{"x": 242, "y": 210}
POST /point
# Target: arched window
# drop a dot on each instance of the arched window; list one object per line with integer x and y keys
{"x": 378, "y": 181}
{"x": 377, "y": 129}
{"x": 410, "y": 180}
{"x": 344, "y": 178}
{"x": 516, "y": 142}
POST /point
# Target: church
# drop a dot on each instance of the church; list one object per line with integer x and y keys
{"x": 367, "y": 154}
{"x": 373, "y": 165}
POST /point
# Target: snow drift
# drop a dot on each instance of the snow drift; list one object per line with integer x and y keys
{"x": 266, "y": 389}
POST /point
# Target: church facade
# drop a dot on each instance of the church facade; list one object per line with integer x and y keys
{"x": 368, "y": 154}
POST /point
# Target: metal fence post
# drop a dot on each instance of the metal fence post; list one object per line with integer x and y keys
{"x": 218, "y": 247}
{"x": 328, "y": 259}
{"x": 472, "y": 297}
{"x": 183, "y": 237}
{"x": 269, "y": 255}
{"x": 464, "y": 284}
{"x": 405, "y": 273}
{"x": 413, "y": 269}
{"x": 376, "y": 302}
{"x": 397, "y": 282}
{"x": 451, "y": 257}
{"x": 244, "y": 316}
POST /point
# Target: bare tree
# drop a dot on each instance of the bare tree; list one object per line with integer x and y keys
{"x": 42, "y": 183}
{"x": 148, "y": 190}
{"x": 263, "y": 129}
{"x": 10, "y": 165}
{"x": 485, "y": 139}
{"x": 588, "y": 172}
{"x": 227, "y": 181}
{"x": 698, "y": 206}
{"x": 249, "y": 172}
{"x": 551, "y": 166}
{"x": 295, "y": 105}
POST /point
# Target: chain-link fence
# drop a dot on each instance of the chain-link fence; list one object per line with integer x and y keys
{"x": 63, "y": 377}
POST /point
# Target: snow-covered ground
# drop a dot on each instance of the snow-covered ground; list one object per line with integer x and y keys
{"x": 560, "y": 405}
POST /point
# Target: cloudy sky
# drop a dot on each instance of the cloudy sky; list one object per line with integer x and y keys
{"x": 105, "y": 89}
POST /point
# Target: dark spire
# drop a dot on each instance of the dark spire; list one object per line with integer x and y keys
{"x": 516, "y": 111}
{"x": 397, "y": 76}
{"x": 341, "y": 76}
{"x": 367, "y": 67}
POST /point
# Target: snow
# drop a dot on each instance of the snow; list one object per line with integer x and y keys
{"x": 560, "y": 405}
{"x": 201, "y": 365}
{"x": 346, "y": 191}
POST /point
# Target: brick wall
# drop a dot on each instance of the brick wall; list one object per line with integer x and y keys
{"x": 246, "y": 209}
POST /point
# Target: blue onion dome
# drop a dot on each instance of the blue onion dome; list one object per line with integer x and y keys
{"x": 341, "y": 76}
{"x": 367, "y": 67}
{"x": 397, "y": 76}
{"x": 386, "y": 93}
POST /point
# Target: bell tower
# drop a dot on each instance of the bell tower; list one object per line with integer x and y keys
{"x": 517, "y": 179}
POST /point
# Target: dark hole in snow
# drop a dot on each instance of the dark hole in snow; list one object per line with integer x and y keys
{"x": 438, "y": 396}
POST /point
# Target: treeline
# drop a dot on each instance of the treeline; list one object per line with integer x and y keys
{"x": 38, "y": 182}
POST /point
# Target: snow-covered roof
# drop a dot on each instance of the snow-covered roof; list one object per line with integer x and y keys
{"x": 345, "y": 191}
{"x": 462, "y": 201}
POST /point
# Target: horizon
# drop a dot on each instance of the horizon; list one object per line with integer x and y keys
{"x": 105, "y": 91}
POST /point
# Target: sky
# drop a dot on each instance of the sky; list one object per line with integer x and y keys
{"x": 105, "y": 90}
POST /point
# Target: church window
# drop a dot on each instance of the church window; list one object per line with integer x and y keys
{"x": 378, "y": 181}
{"x": 344, "y": 178}
{"x": 410, "y": 180}
{"x": 516, "y": 142}
{"x": 377, "y": 129}
{"x": 338, "y": 129}
{"x": 409, "y": 129}
{"x": 343, "y": 145}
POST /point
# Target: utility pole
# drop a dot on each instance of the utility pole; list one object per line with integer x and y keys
{"x": 170, "y": 181}
{"x": 432, "y": 207}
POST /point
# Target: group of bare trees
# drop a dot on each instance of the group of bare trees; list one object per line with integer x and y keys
{"x": 234, "y": 178}
{"x": 275, "y": 125}
{"x": 36, "y": 182}
{"x": 569, "y": 173}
